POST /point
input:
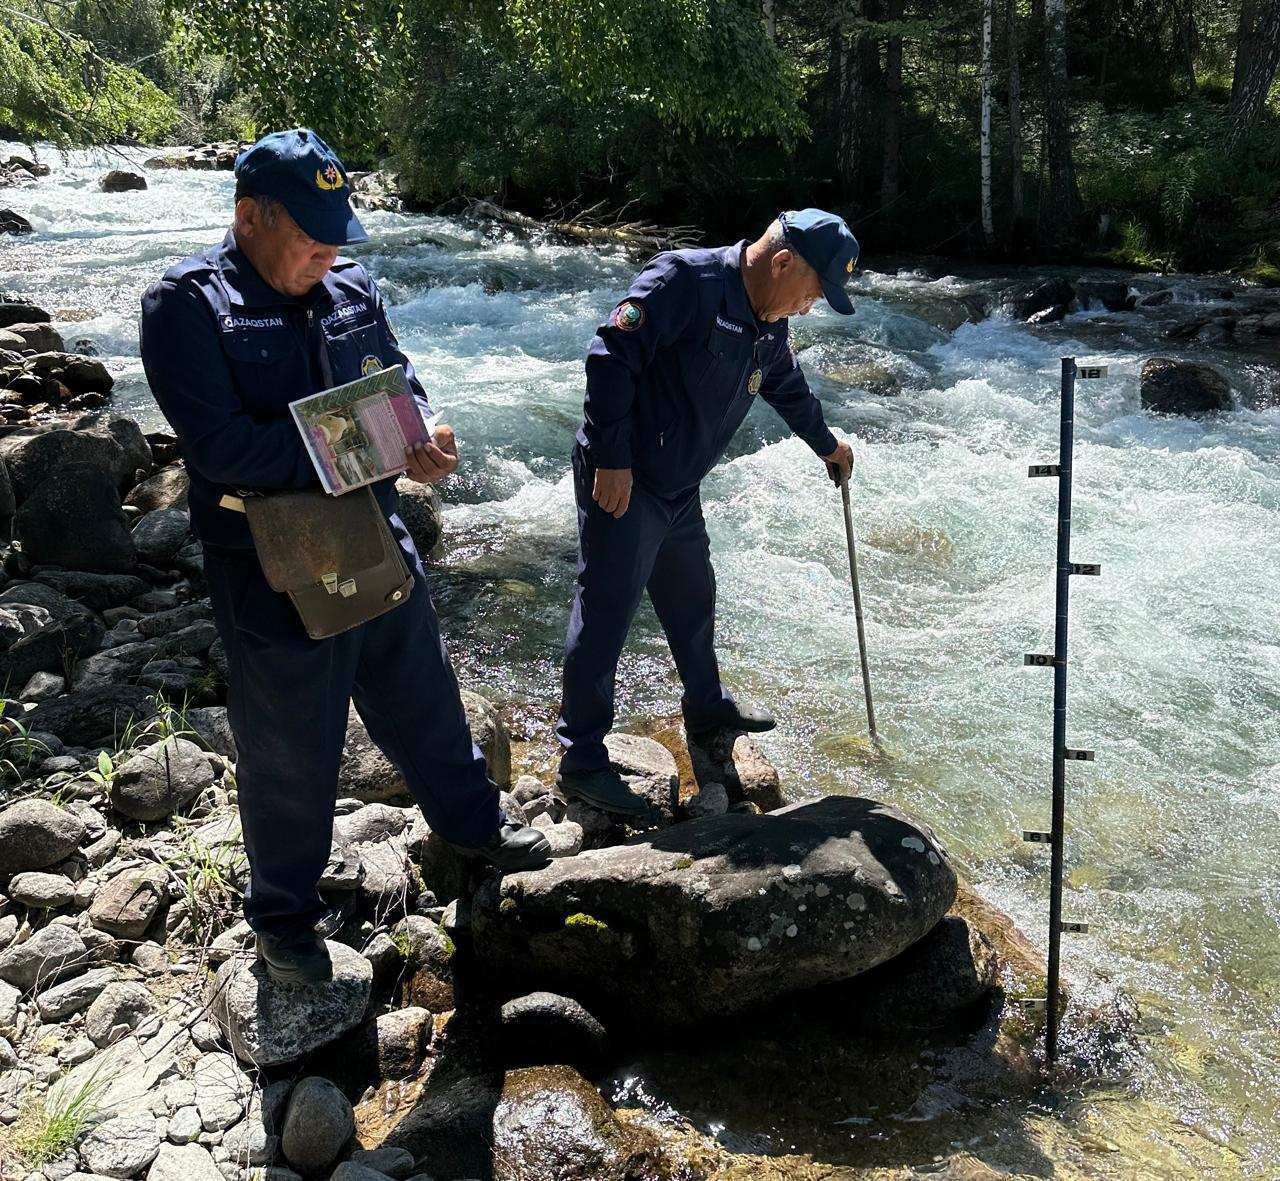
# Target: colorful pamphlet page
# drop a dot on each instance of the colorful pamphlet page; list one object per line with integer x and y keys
{"x": 357, "y": 433}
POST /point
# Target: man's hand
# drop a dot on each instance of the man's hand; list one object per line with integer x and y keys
{"x": 430, "y": 462}
{"x": 612, "y": 489}
{"x": 839, "y": 463}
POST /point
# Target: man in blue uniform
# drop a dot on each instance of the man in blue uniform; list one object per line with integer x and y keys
{"x": 670, "y": 376}
{"x": 229, "y": 337}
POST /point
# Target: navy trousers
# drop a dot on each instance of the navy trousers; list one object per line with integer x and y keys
{"x": 287, "y": 703}
{"x": 660, "y": 544}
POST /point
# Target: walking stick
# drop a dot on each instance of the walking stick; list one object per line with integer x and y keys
{"x": 843, "y": 481}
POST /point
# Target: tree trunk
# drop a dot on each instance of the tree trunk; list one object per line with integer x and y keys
{"x": 1060, "y": 200}
{"x": 852, "y": 73}
{"x": 1257, "y": 58}
{"x": 1015, "y": 110}
{"x": 988, "y": 222}
{"x": 892, "y": 108}
{"x": 770, "y": 19}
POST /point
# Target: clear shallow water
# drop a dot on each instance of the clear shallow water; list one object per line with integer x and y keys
{"x": 1175, "y": 676}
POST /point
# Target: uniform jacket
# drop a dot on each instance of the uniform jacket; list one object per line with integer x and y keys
{"x": 225, "y": 354}
{"x": 673, "y": 371}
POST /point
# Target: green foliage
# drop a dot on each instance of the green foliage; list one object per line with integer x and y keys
{"x": 54, "y": 85}
{"x": 47, "y": 1128}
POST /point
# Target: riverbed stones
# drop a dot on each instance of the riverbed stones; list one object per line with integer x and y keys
{"x": 35, "y": 834}
{"x": 160, "y": 779}
{"x": 52, "y": 953}
{"x": 13, "y": 223}
{"x": 117, "y": 1010}
{"x": 543, "y": 1028}
{"x": 167, "y": 488}
{"x": 73, "y": 519}
{"x": 72, "y": 996}
{"x": 33, "y": 456}
{"x": 48, "y": 648}
{"x": 42, "y": 891}
{"x": 736, "y": 762}
{"x": 121, "y": 1147}
{"x": 318, "y": 1122}
{"x": 270, "y": 1024}
{"x": 1169, "y": 386}
{"x": 713, "y": 916}
{"x": 159, "y": 535}
{"x": 187, "y": 1162}
{"x": 545, "y": 1121}
{"x": 82, "y": 718}
{"x": 127, "y": 904}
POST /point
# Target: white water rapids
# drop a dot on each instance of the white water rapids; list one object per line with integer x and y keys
{"x": 1175, "y": 664}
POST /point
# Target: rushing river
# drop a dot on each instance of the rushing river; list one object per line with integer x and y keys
{"x": 1175, "y": 670}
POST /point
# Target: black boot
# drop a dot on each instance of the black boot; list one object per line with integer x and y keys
{"x": 730, "y": 716}
{"x": 295, "y": 959}
{"x": 514, "y": 847}
{"x": 604, "y": 789}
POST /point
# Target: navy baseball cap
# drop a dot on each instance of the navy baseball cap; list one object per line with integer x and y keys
{"x": 303, "y": 173}
{"x": 824, "y": 241}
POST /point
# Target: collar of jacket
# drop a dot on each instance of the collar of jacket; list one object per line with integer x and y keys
{"x": 736, "y": 303}
{"x": 244, "y": 287}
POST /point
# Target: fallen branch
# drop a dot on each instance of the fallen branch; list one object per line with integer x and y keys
{"x": 635, "y": 235}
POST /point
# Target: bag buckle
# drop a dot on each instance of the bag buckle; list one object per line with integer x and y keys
{"x": 331, "y": 582}
{"x": 347, "y": 588}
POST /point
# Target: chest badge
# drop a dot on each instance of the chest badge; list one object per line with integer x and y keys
{"x": 370, "y": 364}
{"x": 753, "y": 382}
{"x": 628, "y": 316}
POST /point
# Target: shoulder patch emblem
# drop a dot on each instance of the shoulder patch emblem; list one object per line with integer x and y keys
{"x": 370, "y": 364}
{"x": 628, "y": 315}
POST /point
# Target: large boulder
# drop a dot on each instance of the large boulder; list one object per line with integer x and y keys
{"x": 126, "y": 434}
{"x": 421, "y": 511}
{"x": 1183, "y": 387}
{"x": 16, "y": 312}
{"x": 121, "y": 1147}
{"x": 716, "y": 915}
{"x": 1051, "y": 294}
{"x": 82, "y": 719}
{"x": 271, "y": 1024}
{"x": 32, "y": 456}
{"x": 160, "y": 780}
{"x": 35, "y": 338}
{"x": 73, "y": 519}
{"x": 167, "y": 488}
{"x": 159, "y": 535}
{"x": 35, "y": 834}
{"x": 13, "y": 223}
{"x": 118, "y": 180}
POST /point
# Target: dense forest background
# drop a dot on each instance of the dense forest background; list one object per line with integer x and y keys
{"x": 1140, "y": 132}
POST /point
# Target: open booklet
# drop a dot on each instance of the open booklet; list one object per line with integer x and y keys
{"x": 357, "y": 433}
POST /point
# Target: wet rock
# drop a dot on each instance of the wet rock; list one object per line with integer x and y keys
{"x": 542, "y": 1122}
{"x": 188, "y": 1162}
{"x": 166, "y": 489}
{"x": 82, "y": 718}
{"x": 52, "y": 953}
{"x": 1049, "y": 315}
{"x": 428, "y": 962}
{"x": 201, "y": 157}
{"x": 1155, "y": 299}
{"x": 42, "y": 891}
{"x": 81, "y": 375}
{"x": 928, "y": 985}
{"x": 1113, "y": 294}
{"x": 271, "y": 1024}
{"x": 1044, "y": 296}
{"x": 160, "y": 779}
{"x": 1183, "y": 387}
{"x": 121, "y": 1147}
{"x": 318, "y": 1122}
{"x": 35, "y": 834}
{"x": 13, "y": 223}
{"x": 73, "y": 519}
{"x": 421, "y": 511}
{"x": 737, "y": 763}
{"x": 117, "y": 1010}
{"x": 16, "y": 312}
{"x": 713, "y": 916}
{"x": 72, "y": 996}
{"x": 543, "y": 1029}
{"x": 120, "y": 181}
{"x": 127, "y": 904}
{"x": 376, "y": 191}
{"x": 159, "y": 535}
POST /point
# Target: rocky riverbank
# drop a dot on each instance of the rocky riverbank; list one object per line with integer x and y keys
{"x": 472, "y": 1020}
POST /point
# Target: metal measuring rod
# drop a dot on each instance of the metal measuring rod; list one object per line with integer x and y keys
{"x": 1062, "y": 753}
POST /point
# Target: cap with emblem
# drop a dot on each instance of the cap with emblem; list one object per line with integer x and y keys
{"x": 302, "y": 172}
{"x": 824, "y": 241}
